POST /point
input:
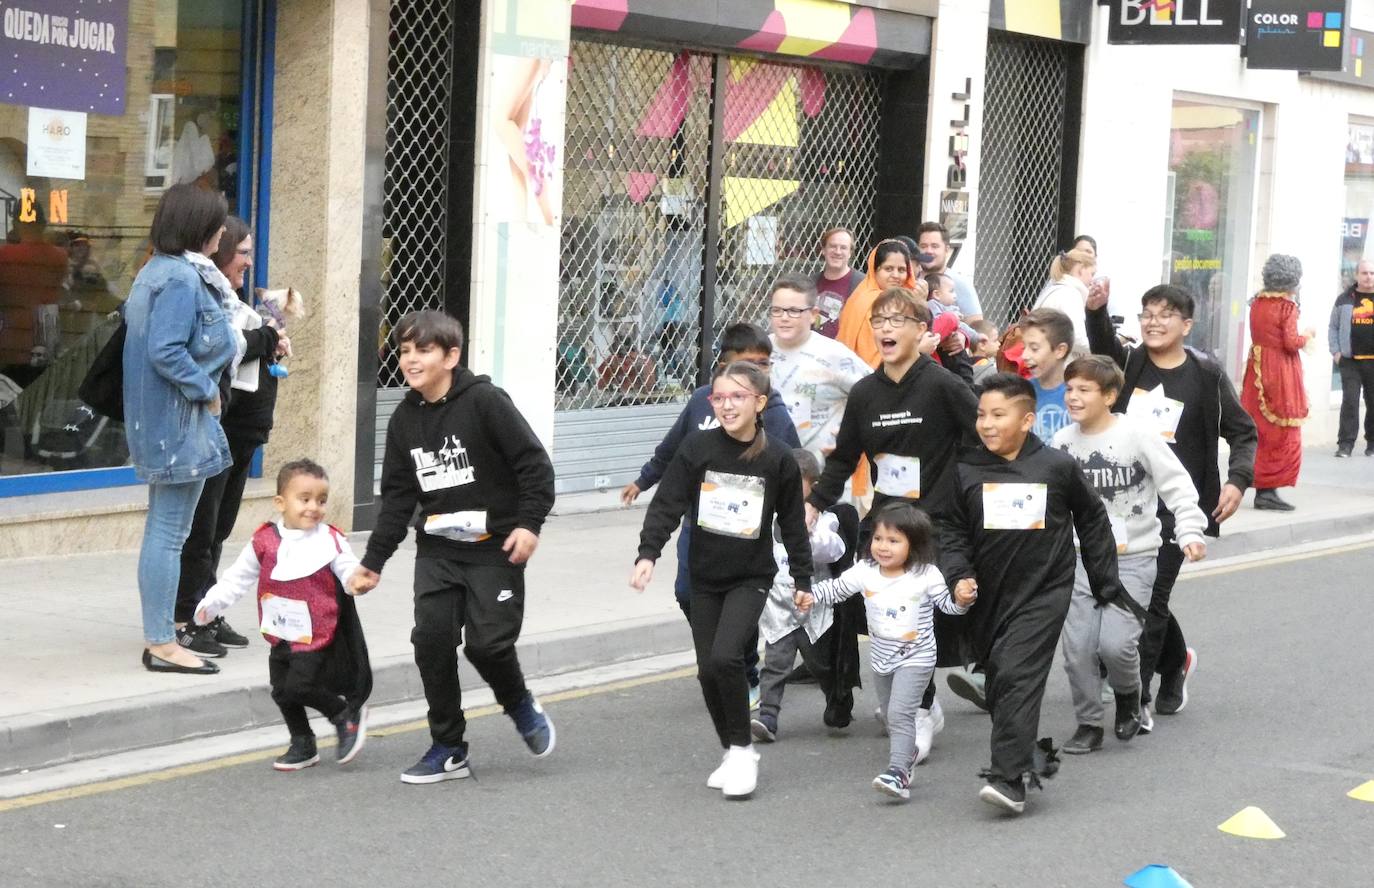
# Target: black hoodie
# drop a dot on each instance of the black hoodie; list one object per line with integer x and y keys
{"x": 470, "y": 451}
{"x": 924, "y": 415}
{"x": 1015, "y": 567}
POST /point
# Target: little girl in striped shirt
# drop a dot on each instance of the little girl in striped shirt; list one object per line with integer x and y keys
{"x": 901, "y": 587}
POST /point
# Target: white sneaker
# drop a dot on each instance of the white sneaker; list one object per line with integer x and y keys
{"x": 717, "y": 778}
{"x": 937, "y": 716}
{"x": 741, "y": 772}
{"x": 925, "y": 735}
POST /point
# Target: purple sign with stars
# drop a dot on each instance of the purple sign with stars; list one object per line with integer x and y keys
{"x": 66, "y": 54}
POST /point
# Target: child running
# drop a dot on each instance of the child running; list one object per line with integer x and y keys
{"x": 465, "y": 467}
{"x": 1047, "y": 340}
{"x": 787, "y": 631}
{"x": 318, "y": 658}
{"x": 901, "y": 587}
{"x": 1132, "y": 470}
{"x": 730, "y": 482}
{"x": 1009, "y": 536}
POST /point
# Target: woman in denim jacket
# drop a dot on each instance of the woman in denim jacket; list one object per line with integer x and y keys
{"x": 179, "y": 345}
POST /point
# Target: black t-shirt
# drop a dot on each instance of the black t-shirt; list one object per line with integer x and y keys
{"x": 1183, "y": 384}
{"x": 1362, "y": 326}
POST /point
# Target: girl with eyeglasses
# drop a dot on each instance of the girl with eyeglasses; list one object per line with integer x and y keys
{"x": 731, "y": 482}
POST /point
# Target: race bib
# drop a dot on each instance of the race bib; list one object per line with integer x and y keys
{"x": 1014, "y": 506}
{"x": 1157, "y": 411}
{"x": 462, "y": 527}
{"x": 285, "y": 618}
{"x": 899, "y": 475}
{"x": 731, "y": 505}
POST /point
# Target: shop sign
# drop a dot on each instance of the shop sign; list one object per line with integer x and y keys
{"x": 1355, "y": 72}
{"x": 954, "y": 201}
{"x": 57, "y": 144}
{"x": 65, "y": 54}
{"x": 1295, "y": 36}
{"x": 1175, "y": 21}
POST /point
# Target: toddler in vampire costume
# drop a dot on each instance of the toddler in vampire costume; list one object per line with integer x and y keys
{"x": 297, "y": 566}
{"x": 1009, "y": 535}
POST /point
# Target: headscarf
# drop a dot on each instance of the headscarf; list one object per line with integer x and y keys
{"x": 855, "y": 330}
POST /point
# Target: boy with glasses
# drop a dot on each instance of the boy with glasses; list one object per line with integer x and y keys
{"x": 908, "y": 419}
{"x": 814, "y": 374}
{"x": 1187, "y": 399}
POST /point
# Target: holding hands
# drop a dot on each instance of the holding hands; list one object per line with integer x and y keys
{"x": 966, "y": 592}
{"x": 803, "y": 601}
{"x": 363, "y": 581}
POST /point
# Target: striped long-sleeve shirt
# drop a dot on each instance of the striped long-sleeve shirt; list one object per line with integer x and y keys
{"x": 901, "y": 621}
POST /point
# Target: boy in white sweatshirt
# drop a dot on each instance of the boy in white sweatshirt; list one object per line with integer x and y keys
{"x": 1131, "y": 469}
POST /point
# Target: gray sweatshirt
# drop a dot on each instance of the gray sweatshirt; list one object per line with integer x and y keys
{"x": 1132, "y": 468}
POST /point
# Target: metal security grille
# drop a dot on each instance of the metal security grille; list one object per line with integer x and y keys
{"x": 1020, "y": 170}
{"x": 415, "y": 184}
{"x": 801, "y": 155}
{"x": 638, "y": 134}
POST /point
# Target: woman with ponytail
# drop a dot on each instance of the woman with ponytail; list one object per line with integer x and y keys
{"x": 1071, "y": 273}
{"x": 732, "y": 482}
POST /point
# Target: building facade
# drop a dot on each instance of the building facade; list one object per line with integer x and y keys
{"x": 597, "y": 187}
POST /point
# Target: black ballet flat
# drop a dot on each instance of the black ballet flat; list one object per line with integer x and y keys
{"x": 154, "y": 663}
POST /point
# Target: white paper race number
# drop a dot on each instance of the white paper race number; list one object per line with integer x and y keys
{"x": 1014, "y": 506}
{"x": 462, "y": 527}
{"x": 285, "y": 618}
{"x": 1157, "y": 411}
{"x": 898, "y": 475}
{"x": 731, "y": 505}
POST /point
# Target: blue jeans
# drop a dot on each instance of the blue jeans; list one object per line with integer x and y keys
{"x": 170, "y": 510}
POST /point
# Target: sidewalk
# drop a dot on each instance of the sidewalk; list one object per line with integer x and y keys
{"x": 71, "y": 685}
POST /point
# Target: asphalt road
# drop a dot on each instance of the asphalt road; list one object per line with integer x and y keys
{"x": 1279, "y": 718}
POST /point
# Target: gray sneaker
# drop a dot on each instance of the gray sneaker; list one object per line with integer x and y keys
{"x": 970, "y": 686}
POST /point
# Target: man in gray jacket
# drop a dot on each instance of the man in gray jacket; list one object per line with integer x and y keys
{"x": 1350, "y": 338}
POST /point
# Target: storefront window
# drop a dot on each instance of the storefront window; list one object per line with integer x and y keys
{"x": 1359, "y": 199}
{"x": 74, "y": 222}
{"x": 1212, "y": 156}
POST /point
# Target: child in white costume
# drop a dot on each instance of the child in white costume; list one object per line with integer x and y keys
{"x": 901, "y": 588}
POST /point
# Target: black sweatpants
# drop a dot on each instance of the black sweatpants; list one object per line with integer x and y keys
{"x": 1356, "y": 376}
{"x": 482, "y": 607}
{"x": 1163, "y": 648}
{"x": 725, "y": 626}
{"x": 216, "y": 512}
{"x": 1017, "y": 668}
{"x": 295, "y": 679}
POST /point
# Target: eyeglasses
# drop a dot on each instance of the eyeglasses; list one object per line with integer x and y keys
{"x": 777, "y": 311}
{"x": 897, "y": 321}
{"x": 1145, "y": 317}
{"x": 734, "y": 398}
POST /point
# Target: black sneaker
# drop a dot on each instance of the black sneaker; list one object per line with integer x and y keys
{"x": 839, "y": 711}
{"x": 1147, "y": 721}
{"x": 1343, "y": 452}
{"x": 352, "y": 728}
{"x": 1009, "y": 795}
{"x": 534, "y": 726}
{"x": 1369, "y": 451}
{"x": 1127, "y": 723}
{"x": 200, "y": 640}
{"x": 1084, "y": 740}
{"x": 300, "y": 754}
{"x": 1173, "y": 687}
{"x": 439, "y": 763}
{"x": 225, "y": 634}
{"x": 764, "y": 728}
{"x": 1268, "y": 501}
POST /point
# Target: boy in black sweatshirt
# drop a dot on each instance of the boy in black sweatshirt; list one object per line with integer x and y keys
{"x": 457, "y": 447}
{"x": 909, "y": 419}
{"x": 1009, "y": 536}
{"x": 1185, "y": 396}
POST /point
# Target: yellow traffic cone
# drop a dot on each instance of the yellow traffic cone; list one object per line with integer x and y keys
{"x": 1252, "y": 823}
{"x": 1363, "y": 793}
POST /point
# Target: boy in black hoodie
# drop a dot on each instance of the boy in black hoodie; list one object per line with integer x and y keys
{"x": 1008, "y": 536}
{"x": 1190, "y": 401}
{"x": 457, "y": 447}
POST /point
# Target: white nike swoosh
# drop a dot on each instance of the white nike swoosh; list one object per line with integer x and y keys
{"x": 451, "y": 765}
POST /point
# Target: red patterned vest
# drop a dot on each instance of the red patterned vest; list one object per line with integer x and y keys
{"x": 319, "y": 590}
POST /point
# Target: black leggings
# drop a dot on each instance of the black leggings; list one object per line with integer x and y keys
{"x": 296, "y": 684}
{"x": 724, "y": 629}
{"x": 1162, "y": 647}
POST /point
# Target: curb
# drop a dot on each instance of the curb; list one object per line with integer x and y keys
{"x": 1294, "y": 533}
{"x": 59, "y": 736}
